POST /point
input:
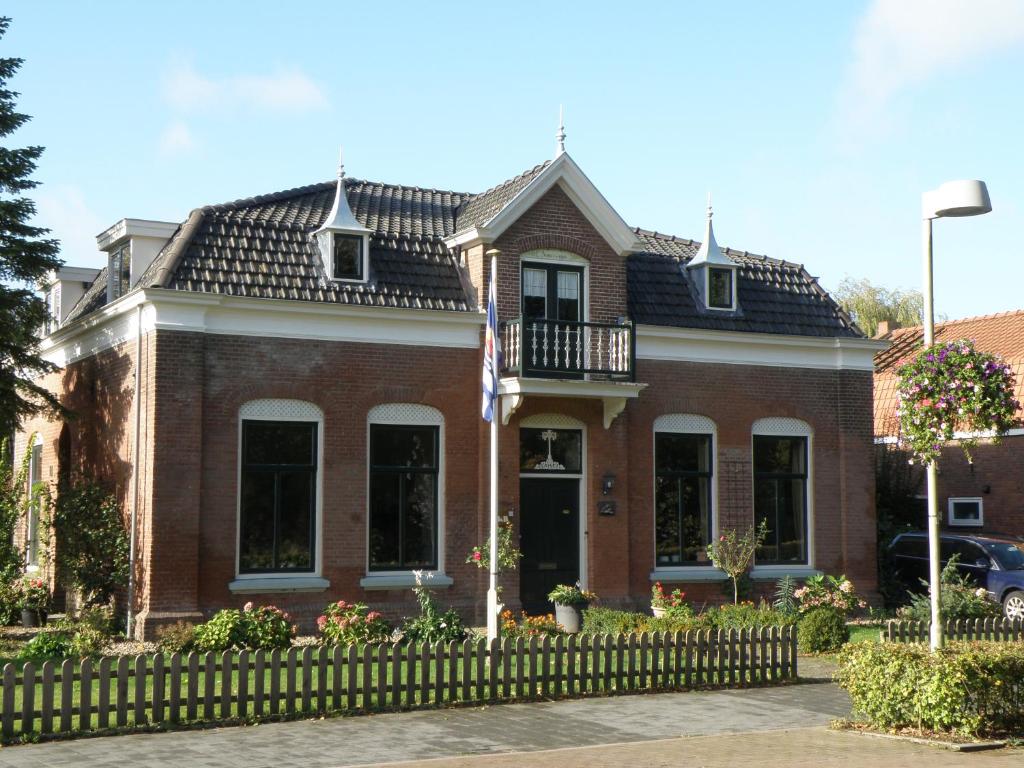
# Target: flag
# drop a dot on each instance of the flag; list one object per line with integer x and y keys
{"x": 492, "y": 353}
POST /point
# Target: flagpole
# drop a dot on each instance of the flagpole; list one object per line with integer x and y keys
{"x": 492, "y": 588}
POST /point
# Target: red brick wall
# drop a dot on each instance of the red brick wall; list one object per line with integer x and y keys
{"x": 995, "y": 477}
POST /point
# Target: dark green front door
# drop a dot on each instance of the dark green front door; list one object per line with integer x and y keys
{"x": 549, "y": 538}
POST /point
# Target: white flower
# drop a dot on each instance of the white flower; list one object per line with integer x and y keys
{"x": 981, "y": 592}
{"x": 418, "y": 575}
{"x": 846, "y": 586}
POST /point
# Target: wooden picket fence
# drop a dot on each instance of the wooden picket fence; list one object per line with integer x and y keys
{"x": 136, "y": 691}
{"x": 994, "y": 629}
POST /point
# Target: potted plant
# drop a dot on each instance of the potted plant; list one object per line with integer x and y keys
{"x": 570, "y": 600}
{"x": 34, "y": 601}
{"x": 663, "y": 603}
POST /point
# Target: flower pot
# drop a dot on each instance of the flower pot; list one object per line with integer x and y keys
{"x": 659, "y": 612}
{"x": 569, "y": 616}
{"x": 31, "y": 618}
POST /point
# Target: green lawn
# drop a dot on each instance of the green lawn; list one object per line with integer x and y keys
{"x": 860, "y": 633}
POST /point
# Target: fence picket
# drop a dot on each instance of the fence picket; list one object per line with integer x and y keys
{"x": 699, "y": 649}
{"x": 570, "y": 666}
{"x": 545, "y": 663}
{"x": 629, "y": 668}
{"x": 410, "y": 675}
{"x": 193, "y": 687}
{"x": 453, "y": 670}
{"x": 520, "y": 668}
{"x": 480, "y": 660}
{"x": 584, "y": 655}
{"x": 668, "y": 647}
{"x": 686, "y": 678}
{"x": 306, "y": 678}
{"x": 609, "y": 660}
{"x": 175, "y": 688}
{"x": 337, "y": 664}
{"x": 467, "y": 669}
{"x": 396, "y": 676}
{"x": 274, "y": 703}
{"x": 533, "y": 667}
{"x": 7, "y": 708}
{"x": 645, "y": 641}
{"x": 46, "y": 720}
{"x": 507, "y": 649}
{"x": 367, "y": 662}
{"x": 438, "y": 672}
{"x": 784, "y": 652}
{"x": 85, "y": 676}
{"x": 557, "y": 672}
{"x": 157, "y": 697}
{"x": 382, "y": 675}
{"x": 743, "y": 642}
{"x": 493, "y": 656}
{"x": 227, "y": 660}
{"x": 28, "y": 700}
{"x": 290, "y": 682}
{"x": 122, "y": 693}
{"x": 323, "y": 665}
{"x": 242, "y": 686}
{"x": 209, "y": 681}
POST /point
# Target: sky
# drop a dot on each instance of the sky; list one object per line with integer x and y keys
{"x": 815, "y": 126}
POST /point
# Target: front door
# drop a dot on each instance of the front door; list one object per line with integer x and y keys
{"x": 549, "y": 530}
{"x": 553, "y": 337}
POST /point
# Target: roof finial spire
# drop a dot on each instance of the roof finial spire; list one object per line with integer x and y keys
{"x": 710, "y": 212}
{"x": 560, "y": 136}
{"x": 341, "y": 164}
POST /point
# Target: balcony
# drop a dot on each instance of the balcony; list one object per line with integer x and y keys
{"x": 559, "y": 358}
{"x": 562, "y": 349}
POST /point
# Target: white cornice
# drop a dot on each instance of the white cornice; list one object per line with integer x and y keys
{"x": 655, "y": 342}
{"x": 125, "y": 228}
{"x": 564, "y": 172}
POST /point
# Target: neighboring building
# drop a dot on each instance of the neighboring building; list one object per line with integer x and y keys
{"x": 986, "y": 494}
{"x": 285, "y": 391}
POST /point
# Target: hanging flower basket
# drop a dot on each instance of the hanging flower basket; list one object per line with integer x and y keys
{"x": 952, "y": 391}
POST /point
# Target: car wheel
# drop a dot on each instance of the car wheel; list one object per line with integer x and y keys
{"x": 1013, "y": 605}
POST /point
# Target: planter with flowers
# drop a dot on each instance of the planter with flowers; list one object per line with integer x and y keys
{"x": 953, "y": 391}
{"x": 570, "y": 600}
{"x": 669, "y": 603}
{"x": 34, "y": 600}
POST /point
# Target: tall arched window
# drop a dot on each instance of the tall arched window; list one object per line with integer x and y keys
{"x": 782, "y": 495}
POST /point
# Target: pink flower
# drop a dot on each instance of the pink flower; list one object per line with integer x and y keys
{"x": 321, "y": 623}
{"x": 247, "y": 607}
{"x": 477, "y": 556}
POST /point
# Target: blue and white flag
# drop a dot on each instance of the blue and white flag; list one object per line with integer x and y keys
{"x": 492, "y": 353}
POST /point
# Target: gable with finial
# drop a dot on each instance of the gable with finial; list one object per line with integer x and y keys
{"x": 713, "y": 273}
{"x": 344, "y": 243}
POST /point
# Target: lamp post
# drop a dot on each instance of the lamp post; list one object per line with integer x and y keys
{"x": 952, "y": 199}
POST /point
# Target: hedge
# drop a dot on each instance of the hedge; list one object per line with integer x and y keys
{"x": 966, "y": 688}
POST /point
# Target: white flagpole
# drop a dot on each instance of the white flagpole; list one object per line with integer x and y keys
{"x": 492, "y": 589}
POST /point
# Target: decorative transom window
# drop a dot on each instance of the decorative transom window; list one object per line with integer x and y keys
{"x": 781, "y": 459}
{"x": 966, "y": 511}
{"x": 406, "y": 493}
{"x": 279, "y": 486}
{"x": 684, "y": 449}
{"x": 551, "y": 451}
{"x": 721, "y": 288}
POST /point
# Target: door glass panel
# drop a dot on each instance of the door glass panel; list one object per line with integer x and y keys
{"x": 535, "y": 293}
{"x": 569, "y": 296}
{"x": 550, "y": 450}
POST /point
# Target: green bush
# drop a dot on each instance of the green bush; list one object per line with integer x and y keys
{"x": 601, "y": 621}
{"x": 823, "y": 630}
{"x": 47, "y": 646}
{"x": 608, "y": 621}
{"x": 344, "y": 623}
{"x": 10, "y": 606}
{"x": 958, "y": 598}
{"x": 432, "y": 625}
{"x": 262, "y": 627}
{"x": 744, "y": 616}
{"x": 968, "y": 688}
{"x": 179, "y": 637}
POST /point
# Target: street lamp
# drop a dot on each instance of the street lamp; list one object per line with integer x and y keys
{"x": 954, "y": 198}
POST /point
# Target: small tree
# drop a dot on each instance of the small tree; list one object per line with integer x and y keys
{"x": 93, "y": 553}
{"x": 733, "y": 552}
{"x": 870, "y": 304}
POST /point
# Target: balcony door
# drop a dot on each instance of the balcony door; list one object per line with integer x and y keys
{"x": 552, "y": 309}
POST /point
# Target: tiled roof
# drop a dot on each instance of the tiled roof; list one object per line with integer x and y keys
{"x": 773, "y": 296}
{"x": 1001, "y": 334}
{"x": 480, "y": 209}
{"x": 263, "y": 246}
{"x": 93, "y": 298}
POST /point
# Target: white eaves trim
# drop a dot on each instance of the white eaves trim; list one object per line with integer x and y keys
{"x": 584, "y": 195}
{"x": 734, "y": 348}
{"x": 164, "y": 309}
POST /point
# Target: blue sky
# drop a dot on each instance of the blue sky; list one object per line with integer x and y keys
{"x": 816, "y": 126}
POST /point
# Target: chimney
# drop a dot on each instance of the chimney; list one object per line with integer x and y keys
{"x": 885, "y": 327}
{"x": 131, "y": 245}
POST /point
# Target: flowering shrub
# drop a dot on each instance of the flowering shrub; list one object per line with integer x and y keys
{"x": 828, "y": 592}
{"x": 673, "y": 603}
{"x": 952, "y": 388}
{"x": 345, "y": 623}
{"x": 508, "y": 555}
{"x": 733, "y": 552}
{"x": 34, "y": 594}
{"x": 433, "y": 626}
{"x": 958, "y": 599}
{"x": 529, "y": 626}
{"x": 264, "y": 627}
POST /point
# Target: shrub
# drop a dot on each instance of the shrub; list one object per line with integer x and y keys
{"x": 433, "y": 626}
{"x": 225, "y": 630}
{"x": 46, "y": 646}
{"x": 345, "y": 623}
{"x": 969, "y": 688}
{"x": 529, "y": 626}
{"x": 608, "y": 621}
{"x": 823, "y": 630}
{"x": 958, "y": 599}
{"x": 179, "y": 637}
{"x": 828, "y": 592}
{"x": 733, "y": 552}
{"x": 571, "y": 594}
{"x": 10, "y": 607}
{"x": 744, "y": 616}
{"x": 264, "y": 627}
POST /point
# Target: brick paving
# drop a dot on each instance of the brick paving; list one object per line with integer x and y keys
{"x": 774, "y": 726}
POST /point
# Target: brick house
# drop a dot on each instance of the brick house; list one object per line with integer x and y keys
{"x": 286, "y": 392}
{"x": 986, "y": 494}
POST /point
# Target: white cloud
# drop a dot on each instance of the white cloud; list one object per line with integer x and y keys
{"x": 176, "y": 139}
{"x": 899, "y": 43}
{"x": 62, "y": 209}
{"x": 185, "y": 89}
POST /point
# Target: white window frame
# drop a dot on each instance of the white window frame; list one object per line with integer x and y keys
{"x": 955, "y": 523}
{"x": 707, "y": 288}
{"x": 365, "y": 257}
{"x": 32, "y": 566}
{"x": 559, "y": 257}
{"x": 685, "y": 424}
{"x": 274, "y": 409}
{"x": 784, "y": 426}
{"x": 408, "y": 414}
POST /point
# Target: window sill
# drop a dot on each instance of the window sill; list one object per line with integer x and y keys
{"x": 773, "y": 572}
{"x": 696, "y": 573}
{"x": 263, "y": 584}
{"x": 433, "y": 580}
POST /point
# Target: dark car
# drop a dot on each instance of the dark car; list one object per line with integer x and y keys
{"x": 993, "y": 562}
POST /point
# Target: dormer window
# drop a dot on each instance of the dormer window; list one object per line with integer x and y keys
{"x": 344, "y": 243}
{"x": 720, "y": 288}
{"x": 348, "y": 257}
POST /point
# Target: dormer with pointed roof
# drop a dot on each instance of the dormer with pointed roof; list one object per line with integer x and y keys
{"x": 713, "y": 273}
{"x": 344, "y": 243}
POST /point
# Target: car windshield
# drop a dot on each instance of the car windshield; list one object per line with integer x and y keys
{"x": 1010, "y": 556}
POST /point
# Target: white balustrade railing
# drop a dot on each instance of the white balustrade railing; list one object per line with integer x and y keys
{"x": 571, "y": 349}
